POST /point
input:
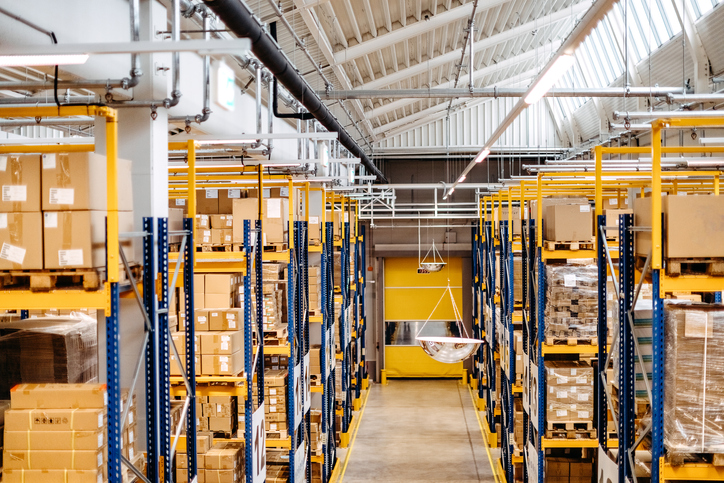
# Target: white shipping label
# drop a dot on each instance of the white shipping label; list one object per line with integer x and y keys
{"x": 207, "y": 239}
{"x": 272, "y": 409}
{"x": 234, "y": 194}
{"x": 100, "y": 458}
{"x": 100, "y": 440}
{"x": 314, "y": 220}
{"x": 130, "y": 436}
{"x": 212, "y": 194}
{"x": 224, "y": 366}
{"x": 583, "y": 414}
{"x": 201, "y": 319}
{"x": 12, "y": 253}
{"x": 561, "y": 412}
{"x": 62, "y": 196}
{"x": 15, "y": 193}
{"x": 50, "y": 219}
{"x": 227, "y": 238}
{"x": 284, "y": 191}
{"x": 100, "y": 420}
{"x": 613, "y": 201}
{"x": 272, "y": 392}
{"x": 580, "y": 380}
{"x": 232, "y": 324}
{"x": 3, "y": 220}
{"x": 218, "y": 408}
{"x": 583, "y": 397}
{"x": 274, "y": 208}
{"x": 562, "y": 394}
{"x": 273, "y": 401}
{"x": 180, "y": 201}
{"x": 48, "y": 161}
{"x": 585, "y": 208}
{"x": 574, "y": 389}
{"x": 569, "y": 280}
{"x": 3, "y": 163}
{"x": 272, "y": 426}
{"x": 224, "y": 345}
{"x": 561, "y": 380}
{"x": 68, "y": 258}
{"x": 574, "y": 372}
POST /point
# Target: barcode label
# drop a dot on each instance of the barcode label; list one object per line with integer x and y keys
{"x": 48, "y": 161}
{"x": 62, "y": 196}
{"x": 12, "y": 253}
{"x": 15, "y": 193}
{"x": 3, "y": 220}
{"x": 70, "y": 257}
{"x": 51, "y": 219}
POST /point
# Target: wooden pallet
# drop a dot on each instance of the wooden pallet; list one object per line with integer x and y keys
{"x": 551, "y": 340}
{"x": 275, "y": 341}
{"x": 277, "y": 435}
{"x": 713, "y": 267}
{"x": 276, "y": 247}
{"x": 569, "y": 245}
{"x": 569, "y": 425}
{"x": 571, "y": 434}
{"x": 45, "y": 280}
{"x": 278, "y": 333}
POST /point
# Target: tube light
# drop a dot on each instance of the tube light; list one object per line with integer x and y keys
{"x": 544, "y": 84}
{"x": 482, "y": 155}
{"x": 22, "y": 60}
{"x": 462, "y": 178}
{"x": 452, "y": 190}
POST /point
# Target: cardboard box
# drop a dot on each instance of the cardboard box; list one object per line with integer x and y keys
{"x": 222, "y": 365}
{"x": 54, "y": 440}
{"x": 77, "y": 239}
{"x": 48, "y": 460}
{"x": 693, "y": 226}
{"x": 221, "y": 476}
{"x": 224, "y": 456}
{"x": 78, "y": 181}
{"x": 179, "y": 338}
{"x": 231, "y": 319}
{"x": 54, "y": 419}
{"x": 175, "y": 223}
{"x": 221, "y": 424}
{"x": 612, "y": 220}
{"x": 202, "y": 222}
{"x": 221, "y": 342}
{"x": 204, "y": 237}
{"x": 52, "y": 476}
{"x": 218, "y": 300}
{"x": 568, "y": 222}
{"x": 21, "y": 241}
{"x": 276, "y": 378}
{"x": 207, "y": 201}
{"x": 276, "y": 220}
{"x": 174, "y": 364}
{"x": 201, "y": 320}
{"x": 20, "y": 182}
{"x": 180, "y": 203}
{"x": 58, "y": 396}
{"x": 243, "y": 209}
{"x": 222, "y": 221}
{"x": 219, "y": 283}
{"x": 227, "y": 197}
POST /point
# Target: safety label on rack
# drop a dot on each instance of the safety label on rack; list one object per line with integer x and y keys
{"x": 607, "y": 468}
{"x": 307, "y": 384}
{"x": 300, "y": 462}
{"x": 534, "y": 390}
{"x": 298, "y": 403}
{"x": 258, "y": 447}
{"x": 531, "y": 458}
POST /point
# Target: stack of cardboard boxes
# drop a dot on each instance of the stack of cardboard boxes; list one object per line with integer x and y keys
{"x": 315, "y": 434}
{"x": 129, "y": 434}
{"x": 275, "y": 398}
{"x": 204, "y": 441}
{"x": 217, "y": 414}
{"x": 221, "y": 350}
{"x": 568, "y": 470}
{"x": 315, "y": 290}
{"x": 218, "y": 290}
{"x": 315, "y": 367}
{"x": 70, "y": 231}
{"x": 569, "y": 396}
{"x": 223, "y": 463}
{"x": 571, "y": 303}
{"x": 276, "y": 362}
{"x": 56, "y": 433}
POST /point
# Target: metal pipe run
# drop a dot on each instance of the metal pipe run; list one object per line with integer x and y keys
{"x": 242, "y": 21}
{"x": 48, "y": 122}
{"x": 692, "y": 98}
{"x": 652, "y": 115}
{"x": 495, "y": 92}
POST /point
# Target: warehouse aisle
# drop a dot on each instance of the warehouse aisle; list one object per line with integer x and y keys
{"x": 419, "y": 430}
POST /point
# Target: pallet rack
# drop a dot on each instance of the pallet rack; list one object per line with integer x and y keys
{"x": 153, "y": 304}
{"x": 661, "y": 469}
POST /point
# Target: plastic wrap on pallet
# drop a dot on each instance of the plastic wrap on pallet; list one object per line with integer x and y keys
{"x": 569, "y": 391}
{"x": 48, "y": 350}
{"x": 571, "y": 301}
{"x": 694, "y": 368}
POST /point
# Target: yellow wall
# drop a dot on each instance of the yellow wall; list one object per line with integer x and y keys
{"x": 411, "y": 296}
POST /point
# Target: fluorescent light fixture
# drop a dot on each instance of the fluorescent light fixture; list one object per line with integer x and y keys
{"x": 452, "y": 190}
{"x": 482, "y": 155}
{"x": 711, "y": 140}
{"x": 22, "y": 60}
{"x": 462, "y": 178}
{"x": 544, "y": 84}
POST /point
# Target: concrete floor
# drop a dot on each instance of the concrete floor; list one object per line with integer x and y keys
{"x": 419, "y": 430}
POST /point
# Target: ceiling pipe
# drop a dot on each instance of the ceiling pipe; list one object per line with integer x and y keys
{"x": 302, "y": 116}
{"x": 652, "y": 115}
{"x": 65, "y": 121}
{"x": 694, "y": 98}
{"x": 206, "y": 110}
{"x": 237, "y": 16}
{"x": 495, "y": 92}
